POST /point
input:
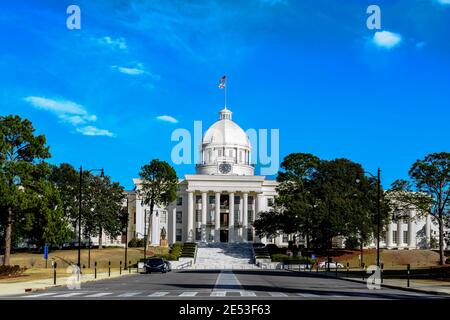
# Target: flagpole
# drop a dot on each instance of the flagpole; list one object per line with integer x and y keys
{"x": 226, "y": 85}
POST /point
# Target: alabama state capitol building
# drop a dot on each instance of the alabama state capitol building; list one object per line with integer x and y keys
{"x": 219, "y": 202}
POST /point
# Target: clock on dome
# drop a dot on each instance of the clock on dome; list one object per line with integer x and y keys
{"x": 225, "y": 168}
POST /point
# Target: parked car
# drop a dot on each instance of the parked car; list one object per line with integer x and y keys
{"x": 156, "y": 265}
{"x": 332, "y": 265}
{"x": 169, "y": 265}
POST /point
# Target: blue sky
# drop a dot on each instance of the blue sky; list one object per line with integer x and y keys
{"x": 311, "y": 69}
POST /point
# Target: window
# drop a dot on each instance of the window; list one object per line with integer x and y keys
{"x": 236, "y": 217}
{"x": 179, "y": 217}
{"x": 250, "y": 216}
{"x": 163, "y": 216}
{"x": 237, "y": 200}
{"x": 285, "y": 238}
{"x": 198, "y": 215}
{"x": 179, "y": 201}
{"x": 212, "y": 216}
{"x": 198, "y": 199}
{"x": 220, "y": 152}
{"x": 240, "y": 156}
{"x": 250, "y": 200}
{"x": 250, "y": 234}
{"x": 179, "y": 235}
{"x": 212, "y": 200}
{"x": 270, "y": 202}
{"x": 405, "y": 237}
{"x": 394, "y": 236}
{"x": 198, "y": 234}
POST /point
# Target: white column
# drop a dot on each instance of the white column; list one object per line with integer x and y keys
{"x": 156, "y": 232}
{"x": 389, "y": 242}
{"x": 174, "y": 224}
{"x": 204, "y": 208}
{"x": 245, "y": 217}
{"x": 411, "y": 231}
{"x": 428, "y": 230}
{"x": 231, "y": 219}
{"x": 399, "y": 233}
{"x": 217, "y": 218}
{"x": 190, "y": 217}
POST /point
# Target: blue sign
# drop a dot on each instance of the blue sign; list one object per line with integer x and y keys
{"x": 313, "y": 256}
{"x": 46, "y": 252}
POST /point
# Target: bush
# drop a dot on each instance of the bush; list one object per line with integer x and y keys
{"x": 279, "y": 257}
{"x": 132, "y": 243}
{"x": 11, "y": 270}
{"x": 140, "y": 243}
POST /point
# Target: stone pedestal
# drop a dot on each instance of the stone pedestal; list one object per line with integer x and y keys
{"x": 164, "y": 243}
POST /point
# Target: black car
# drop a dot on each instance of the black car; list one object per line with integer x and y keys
{"x": 156, "y": 265}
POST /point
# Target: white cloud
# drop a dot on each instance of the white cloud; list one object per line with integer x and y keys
{"x": 386, "y": 39}
{"x": 68, "y": 112}
{"x": 94, "y": 131}
{"x": 444, "y": 1}
{"x": 167, "y": 118}
{"x": 129, "y": 71}
{"x": 118, "y": 43}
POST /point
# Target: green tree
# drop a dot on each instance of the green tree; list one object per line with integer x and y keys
{"x": 159, "y": 186}
{"x": 431, "y": 177}
{"x": 20, "y": 151}
{"x": 103, "y": 211}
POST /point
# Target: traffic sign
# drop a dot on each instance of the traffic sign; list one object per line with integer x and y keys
{"x": 46, "y": 252}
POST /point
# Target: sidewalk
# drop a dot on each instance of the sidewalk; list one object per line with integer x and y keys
{"x": 416, "y": 285}
{"x": 61, "y": 280}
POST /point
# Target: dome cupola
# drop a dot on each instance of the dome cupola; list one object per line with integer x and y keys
{"x": 225, "y": 148}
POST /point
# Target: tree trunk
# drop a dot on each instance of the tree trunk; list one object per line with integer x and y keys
{"x": 149, "y": 228}
{"x": 8, "y": 232}
{"x": 441, "y": 240}
{"x": 100, "y": 239}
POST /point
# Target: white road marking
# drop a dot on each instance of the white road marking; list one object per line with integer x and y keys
{"x": 248, "y": 294}
{"x": 278, "y": 294}
{"x": 39, "y": 295}
{"x": 188, "y": 294}
{"x": 72, "y": 294}
{"x": 218, "y": 294}
{"x": 128, "y": 294}
{"x": 101, "y": 294}
{"x": 227, "y": 281}
{"x": 159, "y": 294}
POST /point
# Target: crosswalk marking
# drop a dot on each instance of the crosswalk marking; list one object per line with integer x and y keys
{"x": 248, "y": 294}
{"x": 129, "y": 294}
{"x": 159, "y": 294}
{"x": 278, "y": 294}
{"x": 96, "y": 295}
{"x": 72, "y": 294}
{"x": 218, "y": 294}
{"x": 39, "y": 295}
{"x": 188, "y": 294}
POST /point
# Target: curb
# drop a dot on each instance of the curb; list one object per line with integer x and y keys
{"x": 390, "y": 286}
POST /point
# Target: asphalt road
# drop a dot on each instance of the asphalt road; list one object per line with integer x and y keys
{"x": 214, "y": 284}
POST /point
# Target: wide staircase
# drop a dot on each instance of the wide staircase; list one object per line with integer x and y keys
{"x": 224, "y": 256}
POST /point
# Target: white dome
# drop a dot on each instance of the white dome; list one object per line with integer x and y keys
{"x": 226, "y": 132}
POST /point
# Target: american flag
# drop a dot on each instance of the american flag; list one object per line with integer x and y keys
{"x": 222, "y": 82}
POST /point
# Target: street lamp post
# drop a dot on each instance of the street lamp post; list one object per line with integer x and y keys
{"x": 378, "y": 177}
{"x": 145, "y": 234}
{"x": 102, "y": 174}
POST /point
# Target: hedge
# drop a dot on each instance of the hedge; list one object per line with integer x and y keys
{"x": 11, "y": 270}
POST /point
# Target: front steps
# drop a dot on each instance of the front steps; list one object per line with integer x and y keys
{"x": 224, "y": 256}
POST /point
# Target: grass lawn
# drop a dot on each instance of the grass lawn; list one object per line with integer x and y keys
{"x": 66, "y": 257}
{"x": 36, "y": 270}
{"x": 392, "y": 259}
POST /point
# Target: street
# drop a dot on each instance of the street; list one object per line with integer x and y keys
{"x": 216, "y": 284}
